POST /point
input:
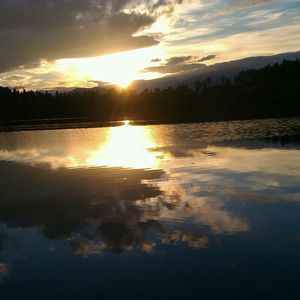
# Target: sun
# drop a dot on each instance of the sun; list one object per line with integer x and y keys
{"x": 123, "y": 82}
{"x": 126, "y": 123}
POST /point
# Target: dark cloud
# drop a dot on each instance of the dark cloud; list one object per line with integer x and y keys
{"x": 32, "y": 30}
{"x": 93, "y": 209}
{"x": 179, "y": 59}
{"x": 178, "y": 64}
{"x": 71, "y": 197}
{"x": 206, "y": 58}
{"x": 155, "y": 60}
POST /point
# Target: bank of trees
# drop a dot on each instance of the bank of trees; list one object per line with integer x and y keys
{"x": 272, "y": 91}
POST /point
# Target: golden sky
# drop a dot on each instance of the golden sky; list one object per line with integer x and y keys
{"x": 65, "y": 44}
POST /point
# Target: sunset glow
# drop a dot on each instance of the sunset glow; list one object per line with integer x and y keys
{"x": 149, "y": 149}
{"x": 99, "y": 46}
{"x": 120, "y": 68}
{"x": 126, "y": 146}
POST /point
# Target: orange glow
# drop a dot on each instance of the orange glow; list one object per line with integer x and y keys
{"x": 119, "y": 68}
{"x": 126, "y": 146}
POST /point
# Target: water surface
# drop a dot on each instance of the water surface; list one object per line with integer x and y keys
{"x": 189, "y": 211}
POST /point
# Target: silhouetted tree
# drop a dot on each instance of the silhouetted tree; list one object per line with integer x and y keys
{"x": 272, "y": 91}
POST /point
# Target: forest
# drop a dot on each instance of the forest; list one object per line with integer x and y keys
{"x": 272, "y": 91}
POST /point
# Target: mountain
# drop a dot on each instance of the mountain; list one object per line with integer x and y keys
{"x": 228, "y": 69}
{"x": 78, "y": 90}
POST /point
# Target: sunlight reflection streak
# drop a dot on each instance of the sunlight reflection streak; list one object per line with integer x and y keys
{"x": 126, "y": 146}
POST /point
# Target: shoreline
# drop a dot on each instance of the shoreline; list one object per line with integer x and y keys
{"x": 64, "y": 124}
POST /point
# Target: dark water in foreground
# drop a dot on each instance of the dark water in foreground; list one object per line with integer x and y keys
{"x": 196, "y": 211}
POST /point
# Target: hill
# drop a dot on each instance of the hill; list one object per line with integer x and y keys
{"x": 227, "y": 69}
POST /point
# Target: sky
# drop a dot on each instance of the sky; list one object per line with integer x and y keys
{"x": 52, "y": 44}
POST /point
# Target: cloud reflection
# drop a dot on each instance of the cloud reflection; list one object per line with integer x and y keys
{"x": 113, "y": 190}
{"x": 122, "y": 146}
{"x": 97, "y": 210}
{"x": 4, "y": 271}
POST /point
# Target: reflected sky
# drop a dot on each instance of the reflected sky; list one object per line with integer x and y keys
{"x": 198, "y": 199}
{"x": 126, "y": 146}
{"x": 123, "y": 146}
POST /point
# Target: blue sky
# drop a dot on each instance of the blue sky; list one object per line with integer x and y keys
{"x": 227, "y": 19}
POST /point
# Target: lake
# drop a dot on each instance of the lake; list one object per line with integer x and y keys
{"x": 187, "y": 211}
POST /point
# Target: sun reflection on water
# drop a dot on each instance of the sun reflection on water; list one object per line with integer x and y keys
{"x": 126, "y": 146}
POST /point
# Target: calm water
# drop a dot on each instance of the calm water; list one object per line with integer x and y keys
{"x": 197, "y": 211}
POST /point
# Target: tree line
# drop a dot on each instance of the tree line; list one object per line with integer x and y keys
{"x": 272, "y": 91}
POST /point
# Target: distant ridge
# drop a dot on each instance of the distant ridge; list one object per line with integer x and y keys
{"x": 228, "y": 69}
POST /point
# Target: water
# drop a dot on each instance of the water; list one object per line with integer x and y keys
{"x": 190, "y": 211}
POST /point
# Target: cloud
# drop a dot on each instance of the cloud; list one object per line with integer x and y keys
{"x": 32, "y": 30}
{"x": 178, "y": 64}
{"x": 105, "y": 213}
{"x": 264, "y": 29}
{"x": 248, "y": 3}
{"x": 154, "y": 7}
{"x": 96, "y": 197}
{"x": 156, "y": 60}
{"x": 208, "y": 57}
{"x": 229, "y": 7}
